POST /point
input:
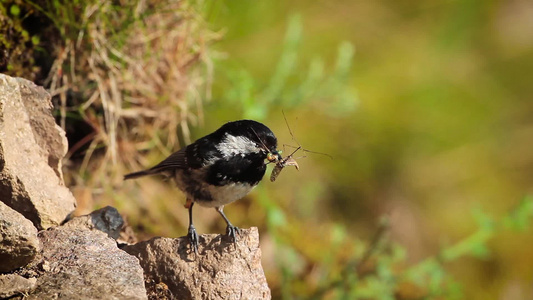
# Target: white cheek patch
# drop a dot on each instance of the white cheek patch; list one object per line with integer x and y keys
{"x": 236, "y": 145}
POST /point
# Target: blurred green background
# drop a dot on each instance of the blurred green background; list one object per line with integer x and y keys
{"x": 424, "y": 106}
{"x": 430, "y": 125}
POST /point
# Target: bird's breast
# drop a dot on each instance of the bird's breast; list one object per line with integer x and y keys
{"x": 193, "y": 184}
{"x": 225, "y": 194}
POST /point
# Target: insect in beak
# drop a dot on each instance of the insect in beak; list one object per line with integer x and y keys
{"x": 282, "y": 163}
{"x": 289, "y": 160}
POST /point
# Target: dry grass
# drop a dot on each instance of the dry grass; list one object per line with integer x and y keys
{"x": 142, "y": 72}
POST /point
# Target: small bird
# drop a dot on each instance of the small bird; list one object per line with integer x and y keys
{"x": 220, "y": 168}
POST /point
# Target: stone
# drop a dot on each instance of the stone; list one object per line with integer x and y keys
{"x": 79, "y": 263}
{"x": 31, "y": 149}
{"x": 221, "y": 270}
{"x": 106, "y": 219}
{"x": 50, "y": 137}
{"x": 13, "y": 285}
{"x": 18, "y": 240}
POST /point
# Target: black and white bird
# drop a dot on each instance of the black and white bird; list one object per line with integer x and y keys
{"x": 220, "y": 168}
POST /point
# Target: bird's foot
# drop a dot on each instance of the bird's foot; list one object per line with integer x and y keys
{"x": 232, "y": 232}
{"x": 193, "y": 239}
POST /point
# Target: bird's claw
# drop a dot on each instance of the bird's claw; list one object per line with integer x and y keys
{"x": 232, "y": 232}
{"x": 193, "y": 239}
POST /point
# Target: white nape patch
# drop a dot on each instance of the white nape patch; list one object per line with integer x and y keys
{"x": 236, "y": 145}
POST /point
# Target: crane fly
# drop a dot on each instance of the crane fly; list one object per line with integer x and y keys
{"x": 289, "y": 160}
{"x": 286, "y": 161}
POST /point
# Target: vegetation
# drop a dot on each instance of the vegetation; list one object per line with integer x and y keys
{"x": 114, "y": 66}
{"x": 424, "y": 107}
{"x": 16, "y": 43}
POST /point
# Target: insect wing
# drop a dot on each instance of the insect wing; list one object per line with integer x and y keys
{"x": 292, "y": 162}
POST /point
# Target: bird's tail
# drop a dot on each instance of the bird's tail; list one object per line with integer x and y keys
{"x": 140, "y": 174}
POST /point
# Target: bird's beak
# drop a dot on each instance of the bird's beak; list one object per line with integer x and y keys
{"x": 278, "y": 155}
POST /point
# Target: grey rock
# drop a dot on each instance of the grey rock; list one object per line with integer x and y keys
{"x": 222, "y": 270}
{"x": 13, "y": 284}
{"x": 31, "y": 148}
{"x": 106, "y": 219}
{"x": 18, "y": 240}
{"x": 86, "y": 264}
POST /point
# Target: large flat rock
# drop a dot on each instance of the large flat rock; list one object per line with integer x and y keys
{"x": 79, "y": 263}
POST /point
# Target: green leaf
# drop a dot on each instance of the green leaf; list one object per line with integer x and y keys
{"x": 35, "y": 40}
{"x": 14, "y": 10}
{"x": 338, "y": 234}
{"x": 520, "y": 217}
{"x": 480, "y": 251}
{"x": 276, "y": 217}
{"x": 25, "y": 35}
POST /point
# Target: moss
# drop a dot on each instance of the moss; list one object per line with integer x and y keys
{"x": 16, "y": 47}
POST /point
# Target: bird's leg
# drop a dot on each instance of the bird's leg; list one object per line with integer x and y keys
{"x": 231, "y": 230}
{"x": 192, "y": 235}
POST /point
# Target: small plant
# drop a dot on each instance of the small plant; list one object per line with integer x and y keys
{"x": 377, "y": 269}
{"x": 289, "y": 89}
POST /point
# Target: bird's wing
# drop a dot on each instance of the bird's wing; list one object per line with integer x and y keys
{"x": 177, "y": 160}
{"x": 193, "y": 156}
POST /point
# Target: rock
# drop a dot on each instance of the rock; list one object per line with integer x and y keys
{"x": 18, "y": 240}
{"x": 86, "y": 264}
{"x": 31, "y": 148}
{"x": 50, "y": 137}
{"x": 106, "y": 219}
{"x": 12, "y": 285}
{"x": 222, "y": 270}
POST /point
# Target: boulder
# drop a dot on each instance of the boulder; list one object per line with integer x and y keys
{"x": 49, "y": 136}
{"x": 31, "y": 149}
{"x": 78, "y": 263}
{"x": 18, "y": 240}
{"x": 106, "y": 219}
{"x": 221, "y": 270}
